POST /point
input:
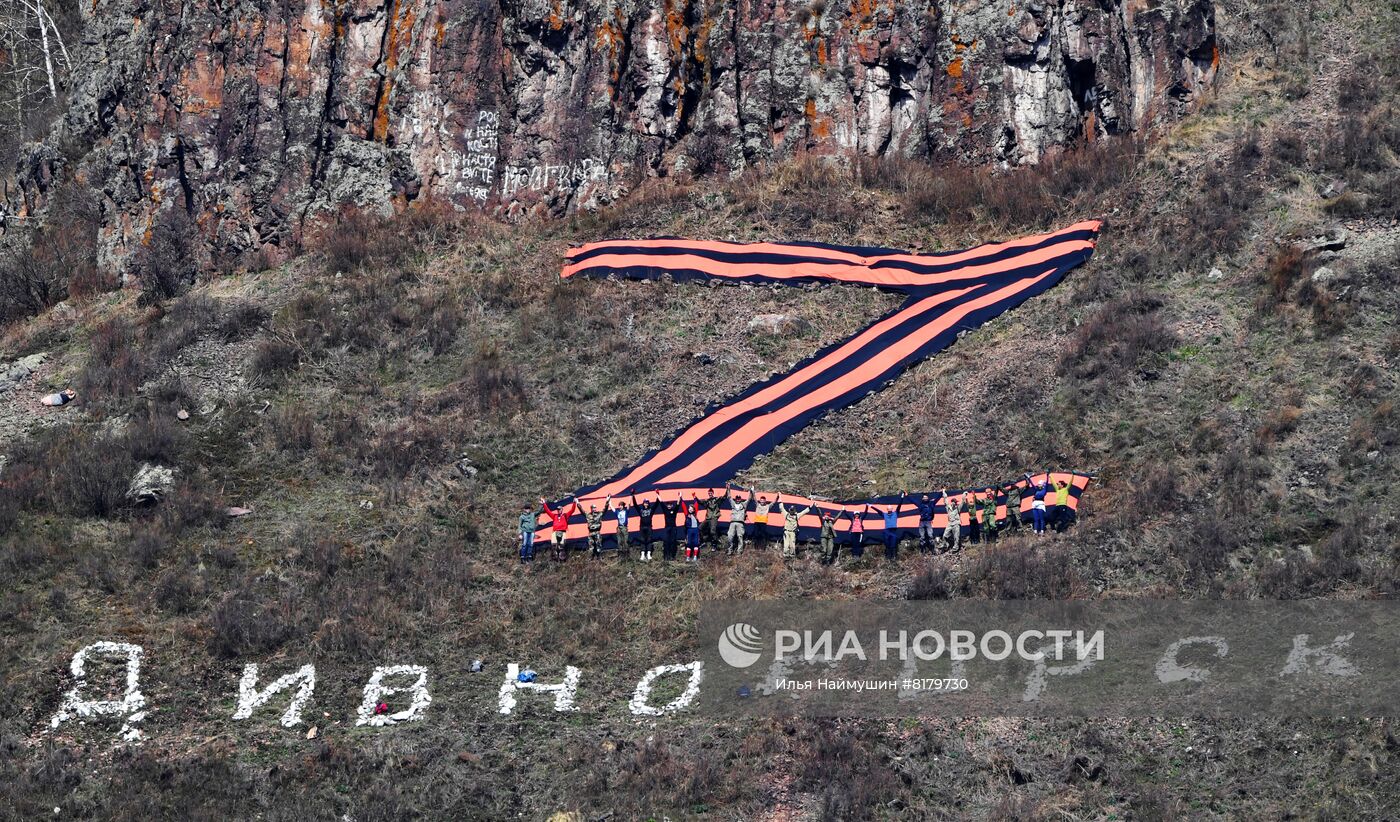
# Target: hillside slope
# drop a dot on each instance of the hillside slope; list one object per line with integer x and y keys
{"x": 384, "y": 405}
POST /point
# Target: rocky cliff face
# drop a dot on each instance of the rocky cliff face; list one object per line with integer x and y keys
{"x": 253, "y": 116}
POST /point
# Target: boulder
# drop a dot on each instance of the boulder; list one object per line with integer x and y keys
{"x": 1333, "y": 238}
{"x": 151, "y": 484}
{"x": 13, "y": 374}
{"x": 777, "y": 325}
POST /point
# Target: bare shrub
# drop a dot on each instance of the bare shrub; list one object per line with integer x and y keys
{"x": 932, "y": 583}
{"x": 85, "y": 474}
{"x": 1329, "y": 314}
{"x": 240, "y": 319}
{"x": 358, "y": 239}
{"x": 9, "y": 509}
{"x": 252, "y": 620}
{"x": 494, "y": 385}
{"x": 1285, "y": 268}
{"x": 401, "y": 447}
{"x": 1278, "y": 424}
{"x": 185, "y": 321}
{"x": 835, "y": 763}
{"x": 1018, "y": 572}
{"x": 1203, "y": 547}
{"x": 166, "y": 263}
{"x": 189, "y": 506}
{"x": 323, "y": 556}
{"x": 59, "y": 259}
{"x": 293, "y": 429}
{"x": 154, "y": 437}
{"x": 1289, "y": 152}
{"x": 1156, "y": 491}
{"x": 116, "y": 368}
{"x": 178, "y": 590}
{"x": 1116, "y": 341}
{"x": 274, "y": 357}
{"x": 148, "y": 546}
{"x": 1297, "y": 576}
{"x": 99, "y": 572}
{"x": 442, "y": 319}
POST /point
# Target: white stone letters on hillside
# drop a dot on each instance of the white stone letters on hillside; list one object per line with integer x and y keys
{"x": 250, "y": 698}
{"x": 564, "y": 692}
{"x": 130, "y": 707}
{"x": 376, "y": 692}
{"x": 640, "y": 702}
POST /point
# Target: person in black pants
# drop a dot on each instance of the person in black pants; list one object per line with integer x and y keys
{"x": 644, "y": 510}
{"x": 674, "y": 517}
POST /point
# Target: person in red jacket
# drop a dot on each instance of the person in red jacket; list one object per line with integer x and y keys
{"x": 559, "y": 519}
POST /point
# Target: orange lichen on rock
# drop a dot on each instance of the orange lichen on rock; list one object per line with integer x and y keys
{"x": 673, "y": 14}
{"x": 202, "y": 88}
{"x": 400, "y": 30}
{"x": 819, "y": 125}
{"x": 863, "y": 15}
{"x": 955, "y": 68}
{"x": 609, "y": 37}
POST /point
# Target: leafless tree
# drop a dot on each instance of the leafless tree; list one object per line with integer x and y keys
{"x": 34, "y": 65}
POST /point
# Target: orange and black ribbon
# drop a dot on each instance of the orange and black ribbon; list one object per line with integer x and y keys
{"x": 948, "y": 293}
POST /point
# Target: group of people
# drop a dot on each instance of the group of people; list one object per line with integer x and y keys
{"x": 1049, "y": 509}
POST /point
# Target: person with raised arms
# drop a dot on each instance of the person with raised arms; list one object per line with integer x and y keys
{"x": 712, "y": 504}
{"x": 830, "y": 547}
{"x": 644, "y": 511}
{"x": 691, "y": 509}
{"x": 594, "y": 517}
{"x": 857, "y": 531}
{"x": 891, "y": 533}
{"x": 620, "y": 511}
{"x": 790, "y": 518}
{"x": 926, "y": 511}
{"x": 1038, "y": 492}
{"x": 1013, "y": 506}
{"x": 952, "y": 531}
{"x": 559, "y": 521}
{"x": 738, "y": 512}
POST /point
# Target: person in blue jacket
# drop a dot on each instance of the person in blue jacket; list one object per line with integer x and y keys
{"x": 1039, "y": 490}
{"x": 891, "y": 515}
{"x": 926, "y": 511}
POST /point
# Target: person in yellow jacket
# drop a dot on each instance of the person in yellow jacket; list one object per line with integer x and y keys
{"x": 760, "y": 522}
{"x": 1060, "y": 515}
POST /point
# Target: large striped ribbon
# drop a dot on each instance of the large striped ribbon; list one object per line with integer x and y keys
{"x": 948, "y": 293}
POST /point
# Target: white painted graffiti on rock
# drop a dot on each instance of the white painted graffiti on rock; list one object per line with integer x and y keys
{"x": 479, "y": 162}
{"x": 471, "y": 171}
{"x": 547, "y": 177}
